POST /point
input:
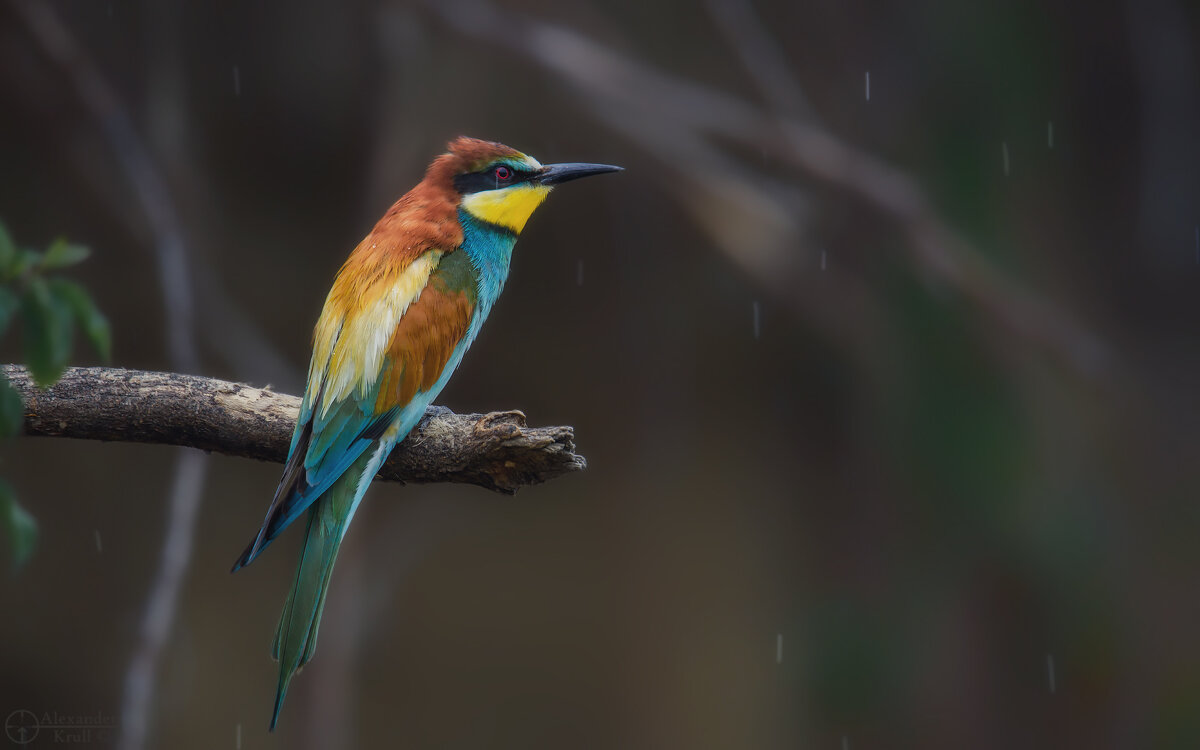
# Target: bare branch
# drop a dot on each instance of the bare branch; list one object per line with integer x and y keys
{"x": 183, "y": 502}
{"x": 101, "y": 102}
{"x": 762, "y": 57}
{"x": 149, "y": 186}
{"x": 497, "y": 450}
{"x": 683, "y": 111}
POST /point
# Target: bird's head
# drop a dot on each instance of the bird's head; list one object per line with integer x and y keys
{"x": 500, "y": 185}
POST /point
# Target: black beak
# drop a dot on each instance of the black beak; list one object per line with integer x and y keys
{"x": 552, "y": 174}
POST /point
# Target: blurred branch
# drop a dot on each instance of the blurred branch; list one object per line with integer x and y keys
{"x": 763, "y": 59}
{"x": 162, "y": 600}
{"x": 150, "y": 189}
{"x": 496, "y": 451}
{"x": 1165, "y": 61}
{"x": 170, "y": 254}
{"x": 626, "y": 95}
{"x": 233, "y": 334}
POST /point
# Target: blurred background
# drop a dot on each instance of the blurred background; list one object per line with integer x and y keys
{"x": 882, "y": 353}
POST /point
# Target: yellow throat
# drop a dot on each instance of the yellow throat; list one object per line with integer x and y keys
{"x": 510, "y": 207}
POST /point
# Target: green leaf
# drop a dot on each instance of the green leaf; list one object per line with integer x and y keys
{"x": 62, "y": 254}
{"x": 22, "y": 261}
{"x": 12, "y": 409}
{"x": 8, "y": 251}
{"x": 95, "y": 325}
{"x": 8, "y": 305}
{"x": 19, "y": 526}
{"x": 48, "y": 333}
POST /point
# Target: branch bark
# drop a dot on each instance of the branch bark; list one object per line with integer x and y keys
{"x": 496, "y": 451}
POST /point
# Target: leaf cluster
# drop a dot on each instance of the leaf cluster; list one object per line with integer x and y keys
{"x": 50, "y": 309}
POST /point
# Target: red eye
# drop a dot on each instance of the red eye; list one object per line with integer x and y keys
{"x": 503, "y": 172}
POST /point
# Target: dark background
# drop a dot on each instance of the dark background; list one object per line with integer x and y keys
{"x": 967, "y": 532}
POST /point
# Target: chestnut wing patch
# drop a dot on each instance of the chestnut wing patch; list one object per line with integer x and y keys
{"x": 428, "y": 332}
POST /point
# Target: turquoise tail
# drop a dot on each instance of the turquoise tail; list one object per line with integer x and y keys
{"x": 296, "y": 638}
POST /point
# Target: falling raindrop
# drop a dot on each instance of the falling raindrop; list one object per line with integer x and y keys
{"x": 99, "y": 547}
{"x": 845, "y": 742}
{"x": 237, "y": 81}
{"x": 757, "y": 319}
{"x": 822, "y": 260}
{"x": 779, "y": 648}
{"x": 1198, "y": 246}
{"x": 1004, "y": 148}
{"x": 1050, "y": 671}
{"x": 1049, "y": 134}
{"x": 238, "y": 737}
{"x": 868, "y": 85}
{"x": 579, "y": 272}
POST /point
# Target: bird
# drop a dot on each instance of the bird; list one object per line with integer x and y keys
{"x": 404, "y": 308}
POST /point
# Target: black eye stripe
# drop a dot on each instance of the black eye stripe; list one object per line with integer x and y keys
{"x": 487, "y": 179}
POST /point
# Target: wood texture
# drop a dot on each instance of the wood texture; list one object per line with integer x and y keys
{"x": 496, "y": 451}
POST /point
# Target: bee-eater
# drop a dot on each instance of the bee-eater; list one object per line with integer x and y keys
{"x": 403, "y": 310}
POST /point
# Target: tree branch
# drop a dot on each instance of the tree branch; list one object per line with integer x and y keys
{"x": 666, "y": 114}
{"x": 497, "y": 450}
